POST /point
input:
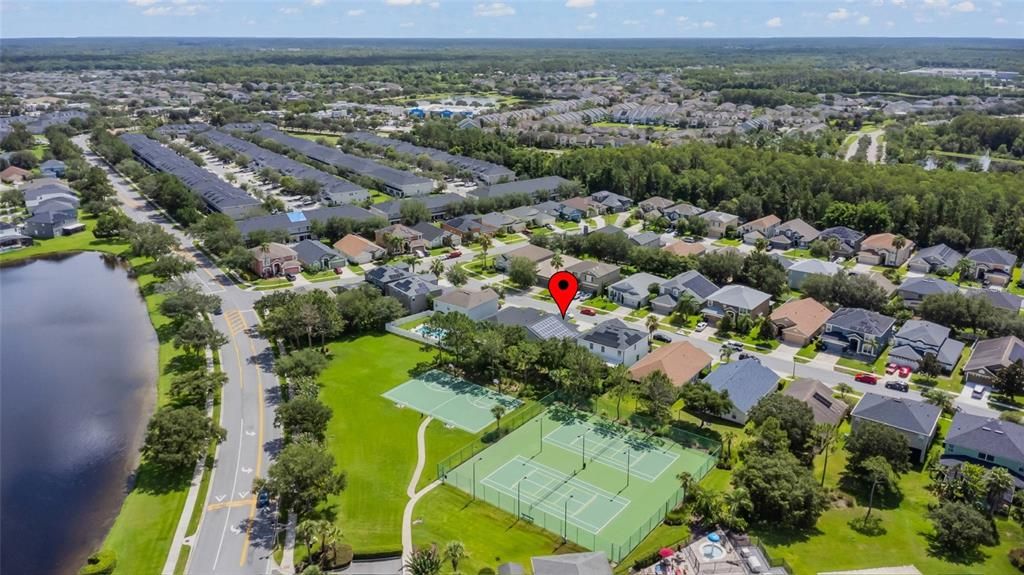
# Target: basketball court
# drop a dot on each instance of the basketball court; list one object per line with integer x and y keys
{"x": 451, "y": 399}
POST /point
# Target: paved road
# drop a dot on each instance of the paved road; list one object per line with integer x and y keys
{"x": 234, "y": 536}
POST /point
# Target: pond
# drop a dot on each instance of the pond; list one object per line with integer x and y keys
{"x": 78, "y": 367}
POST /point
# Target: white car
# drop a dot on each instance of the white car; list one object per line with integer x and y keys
{"x": 701, "y": 326}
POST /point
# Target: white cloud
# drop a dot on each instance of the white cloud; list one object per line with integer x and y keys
{"x": 354, "y": 13}
{"x": 682, "y": 19}
{"x": 965, "y": 6}
{"x": 142, "y": 2}
{"x": 863, "y": 20}
{"x": 1000, "y": 21}
{"x": 493, "y": 10}
{"x": 403, "y": 2}
{"x": 936, "y": 3}
{"x": 289, "y": 10}
{"x": 316, "y": 2}
{"x": 592, "y": 15}
{"x": 659, "y": 12}
{"x": 839, "y": 15}
{"x": 877, "y": 2}
{"x": 775, "y": 22}
{"x": 889, "y": 23}
{"x": 707, "y": 24}
{"x": 898, "y": 2}
{"x": 579, "y": 3}
{"x": 434, "y": 5}
{"x": 407, "y": 24}
{"x": 631, "y": 22}
{"x": 179, "y": 8}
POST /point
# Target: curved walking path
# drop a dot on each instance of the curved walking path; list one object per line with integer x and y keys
{"x": 421, "y": 460}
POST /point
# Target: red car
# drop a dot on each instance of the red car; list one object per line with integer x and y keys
{"x": 587, "y": 311}
{"x": 453, "y": 255}
{"x": 891, "y": 369}
{"x": 866, "y": 378}
{"x": 904, "y": 371}
{"x": 339, "y": 271}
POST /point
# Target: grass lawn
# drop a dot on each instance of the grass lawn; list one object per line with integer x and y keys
{"x": 379, "y": 197}
{"x": 440, "y": 251}
{"x": 491, "y": 536}
{"x": 1012, "y": 287}
{"x": 320, "y": 276}
{"x": 270, "y": 283}
{"x": 568, "y": 226}
{"x": 476, "y": 268}
{"x": 375, "y": 442}
{"x": 727, "y": 242}
{"x": 808, "y": 352}
{"x": 878, "y": 367}
{"x": 331, "y": 140}
{"x": 84, "y": 241}
{"x": 601, "y": 303}
{"x": 804, "y": 254}
{"x": 513, "y": 239}
{"x": 639, "y": 313}
{"x": 414, "y": 323}
{"x": 38, "y": 149}
{"x": 955, "y": 381}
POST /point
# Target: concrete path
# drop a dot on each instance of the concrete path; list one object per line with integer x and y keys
{"x": 414, "y": 496}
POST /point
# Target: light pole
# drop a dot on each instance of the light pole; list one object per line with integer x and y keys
{"x": 583, "y": 451}
{"x": 565, "y": 521}
{"x": 541, "y": 437}
{"x": 628, "y": 453}
{"x": 519, "y": 498}
{"x": 475, "y": 461}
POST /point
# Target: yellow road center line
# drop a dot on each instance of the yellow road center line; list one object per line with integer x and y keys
{"x": 229, "y": 504}
{"x": 259, "y": 453}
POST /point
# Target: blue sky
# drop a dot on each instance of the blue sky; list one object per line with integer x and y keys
{"x": 512, "y": 18}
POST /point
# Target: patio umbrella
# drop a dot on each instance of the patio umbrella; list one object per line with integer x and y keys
{"x": 666, "y": 552}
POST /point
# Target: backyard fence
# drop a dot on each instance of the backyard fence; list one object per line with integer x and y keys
{"x": 396, "y": 328}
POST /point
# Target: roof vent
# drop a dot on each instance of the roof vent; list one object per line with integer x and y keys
{"x": 986, "y": 429}
{"x": 999, "y": 431}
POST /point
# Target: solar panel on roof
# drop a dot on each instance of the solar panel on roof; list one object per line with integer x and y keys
{"x": 295, "y": 217}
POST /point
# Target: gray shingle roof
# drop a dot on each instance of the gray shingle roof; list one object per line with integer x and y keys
{"x": 862, "y": 321}
{"x": 927, "y": 286}
{"x": 987, "y": 434}
{"x": 992, "y": 256}
{"x": 899, "y": 412}
{"x": 538, "y": 324}
{"x": 592, "y": 563}
{"x": 923, "y": 331}
{"x": 310, "y": 251}
{"x": 637, "y": 284}
{"x": 693, "y": 281}
{"x": 531, "y": 187}
{"x": 940, "y": 255}
{"x": 615, "y": 334}
{"x": 746, "y": 380}
{"x": 739, "y": 296}
{"x": 999, "y": 352}
{"x": 1001, "y": 299}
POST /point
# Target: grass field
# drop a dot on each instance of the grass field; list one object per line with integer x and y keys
{"x": 374, "y": 442}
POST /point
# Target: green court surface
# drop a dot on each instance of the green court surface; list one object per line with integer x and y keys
{"x": 566, "y": 472}
{"x": 453, "y": 400}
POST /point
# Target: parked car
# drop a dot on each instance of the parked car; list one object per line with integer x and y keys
{"x": 218, "y": 310}
{"x": 339, "y": 271}
{"x": 746, "y": 355}
{"x": 978, "y": 392}
{"x": 588, "y": 311}
{"x": 701, "y": 326}
{"x": 866, "y": 378}
{"x": 734, "y": 345}
{"x": 690, "y": 239}
{"x": 897, "y": 385}
{"x": 890, "y": 369}
{"x": 454, "y": 254}
{"x": 904, "y": 371}
{"x": 290, "y": 277}
{"x": 662, "y": 338}
{"x": 263, "y": 499}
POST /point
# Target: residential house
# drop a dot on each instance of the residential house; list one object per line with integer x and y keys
{"x": 45, "y": 190}
{"x": 783, "y": 261}
{"x": 719, "y": 222}
{"x": 503, "y": 223}
{"x": 916, "y": 420}
{"x": 761, "y": 228}
{"x": 612, "y": 202}
{"x": 858, "y": 332}
{"x": 1000, "y": 299}
{"x": 799, "y": 321}
{"x": 274, "y": 259}
{"x": 435, "y": 237}
{"x": 934, "y": 258}
{"x": 986, "y": 441}
{"x": 468, "y": 225}
{"x": 315, "y": 256}
{"x": 847, "y": 240}
{"x": 680, "y": 211}
{"x": 687, "y": 284}
{"x": 609, "y": 230}
{"x": 647, "y": 240}
{"x": 826, "y": 409}
{"x": 734, "y": 300}
{"x": 685, "y": 249}
{"x": 583, "y": 207}
{"x": 52, "y": 169}
{"x": 803, "y": 269}
{"x": 635, "y": 290}
{"x": 11, "y": 238}
{"x": 399, "y": 239}
{"x": 589, "y": 563}
{"x": 880, "y": 250}
{"x": 14, "y": 175}
{"x": 531, "y": 216}
{"x": 991, "y": 356}
{"x": 879, "y": 279}
{"x": 51, "y": 219}
{"x": 994, "y": 265}
{"x": 593, "y": 276}
{"x": 414, "y": 292}
{"x": 546, "y": 269}
{"x": 918, "y": 338}
{"x": 615, "y": 342}
{"x": 477, "y": 304}
{"x": 654, "y": 205}
{"x": 382, "y": 275}
{"x": 535, "y": 254}
{"x": 536, "y": 188}
{"x": 681, "y": 361}
{"x": 794, "y": 234}
{"x": 914, "y": 290}
{"x": 539, "y": 325}
{"x": 747, "y": 382}
{"x": 359, "y": 250}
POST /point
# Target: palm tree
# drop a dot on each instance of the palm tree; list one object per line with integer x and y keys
{"x": 898, "y": 242}
{"x": 330, "y": 534}
{"x": 485, "y": 244}
{"x": 725, "y": 354}
{"x": 306, "y": 530}
{"x": 455, "y": 552}
{"x": 738, "y": 501}
{"x": 412, "y": 261}
{"x": 393, "y": 243}
{"x": 424, "y": 561}
{"x": 556, "y": 261}
{"x": 878, "y": 471}
{"x": 687, "y": 483}
{"x": 760, "y": 245}
{"x": 728, "y": 437}
{"x": 437, "y": 267}
{"x": 963, "y": 270}
{"x": 498, "y": 411}
{"x": 620, "y": 384}
{"x": 652, "y": 326}
{"x": 844, "y": 388}
{"x": 825, "y": 436}
{"x": 686, "y": 305}
{"x": 998, "y": 482}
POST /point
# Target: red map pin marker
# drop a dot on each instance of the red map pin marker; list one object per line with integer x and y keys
{"x": 563, "y": 287}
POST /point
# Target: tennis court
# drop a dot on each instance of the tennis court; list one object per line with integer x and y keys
{"x": 451, "y": 399}
{"x": 540, "y": 487}
{"x": 643, "y": 456}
